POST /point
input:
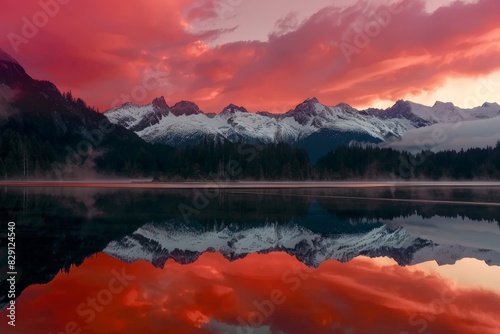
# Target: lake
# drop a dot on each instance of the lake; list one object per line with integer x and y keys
{"x": 350, "y": 259}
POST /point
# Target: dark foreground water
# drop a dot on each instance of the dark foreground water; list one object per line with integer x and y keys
{"x": 346, "y": 260}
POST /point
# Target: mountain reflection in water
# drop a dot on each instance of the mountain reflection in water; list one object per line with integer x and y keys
{"x": 233, "y": 249}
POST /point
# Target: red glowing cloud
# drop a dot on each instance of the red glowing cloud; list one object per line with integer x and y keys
{"x": 109, "y": 53}
{"x": 273, "y": 291}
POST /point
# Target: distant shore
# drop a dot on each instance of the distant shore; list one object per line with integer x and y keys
{"x": 145, "y": 184}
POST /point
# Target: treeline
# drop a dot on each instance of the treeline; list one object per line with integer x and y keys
{"x": 77, "y": 102}
{"x": 356, "y": 162}
{"x": 211, "y": 160}
{"x": 236, "y": 161}
{"x": 23, "y": 156}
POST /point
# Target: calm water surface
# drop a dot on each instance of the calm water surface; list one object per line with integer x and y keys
{"x": 347, "y": 260}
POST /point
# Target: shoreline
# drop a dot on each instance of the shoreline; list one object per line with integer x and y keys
{"x": 141, "y": 184}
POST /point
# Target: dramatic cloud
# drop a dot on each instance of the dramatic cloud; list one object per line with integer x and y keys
{"x": 359, "y": 53}
{"x": 273, "y": 292}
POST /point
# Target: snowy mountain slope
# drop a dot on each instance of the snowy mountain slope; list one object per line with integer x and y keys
{"x": 235, "y": 123}
{"x": 449, "y": 113}
{"x": 137, "y": 118}
{"x": 309, "y": 123}
{"x": 440, "y": 112}
{"x": 157, "y": 243}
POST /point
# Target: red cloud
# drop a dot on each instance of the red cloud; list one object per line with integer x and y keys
{"x": 332, "y": 55}
{"x": 104, "y": 52}
{"x": 273, "y": 290}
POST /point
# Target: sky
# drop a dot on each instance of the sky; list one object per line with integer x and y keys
{"x": 261, "y": 54}
{"x": 274, "y": 292}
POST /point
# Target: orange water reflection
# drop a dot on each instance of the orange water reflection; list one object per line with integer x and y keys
{"x": 267, "y": 293}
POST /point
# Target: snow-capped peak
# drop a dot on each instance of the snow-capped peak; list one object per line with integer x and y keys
{"x": 160, "y": 105}
{"x": 137, "y": 118}
{"x": 231, "y": 109}
{"x": 491, "y": 105}
{"x": 305, "y": 111}
{"x": 440, "y": 104}
{"x": 185, "y": 108}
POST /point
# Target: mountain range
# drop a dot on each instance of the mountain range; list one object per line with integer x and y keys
{"x": 43, "y": 129}
{"x": 311, "y": 125}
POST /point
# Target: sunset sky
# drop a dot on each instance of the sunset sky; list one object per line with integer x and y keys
{"x": 264, "y": 55}
{"x": 213, "y": 295}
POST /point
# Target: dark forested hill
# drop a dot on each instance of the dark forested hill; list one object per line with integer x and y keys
{"x": 46, "y": 133}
